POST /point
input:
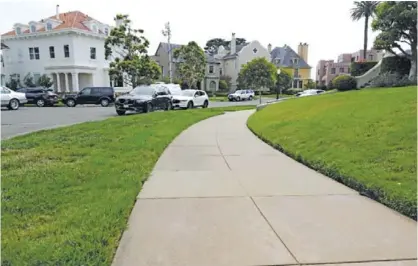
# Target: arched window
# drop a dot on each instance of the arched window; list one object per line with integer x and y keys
{"x": 18, "y": 30}
{"x": 94, "y": 28}
{"x": 49, "y": 26}
{"x": 32, "y": 28}
{"x": 212, "y": 85}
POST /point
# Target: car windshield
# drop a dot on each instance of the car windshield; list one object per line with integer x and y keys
{"x": 238, "y": 92}
{"x": 187, "y": 93}
{"x": 142, "y": 90}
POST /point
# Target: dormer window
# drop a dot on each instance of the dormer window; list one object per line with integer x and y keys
{"x": 18, "y": 30}
{"x": 32, "y": 28}
{"x": 106, "y": 31}
{"x": 94, "y": 27}
{"x": 49, "y": 26}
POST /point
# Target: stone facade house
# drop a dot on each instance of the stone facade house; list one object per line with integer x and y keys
{"x": 227, "y": 61}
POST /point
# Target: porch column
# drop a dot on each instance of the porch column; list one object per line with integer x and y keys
{"x": 75, "y": 81}
{"x": 67, "y": 84}
{"x": 58, "y": 82}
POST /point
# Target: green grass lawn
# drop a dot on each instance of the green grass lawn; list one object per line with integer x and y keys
{"x": 67, "y": 192}
{"x": 366, "y": 139}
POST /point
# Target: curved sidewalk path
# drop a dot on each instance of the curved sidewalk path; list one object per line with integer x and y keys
{"x": 219, "y": 196}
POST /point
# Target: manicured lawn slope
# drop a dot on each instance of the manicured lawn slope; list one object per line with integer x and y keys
{"x": 67, "y": 193}
{"x": 366, "y": 139}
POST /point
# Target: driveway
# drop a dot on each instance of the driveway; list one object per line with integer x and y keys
{"x": 220, "y": 196}
{"x": 29, "y": 119}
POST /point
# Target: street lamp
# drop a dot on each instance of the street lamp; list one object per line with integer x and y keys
{"x": 278, "y": 84}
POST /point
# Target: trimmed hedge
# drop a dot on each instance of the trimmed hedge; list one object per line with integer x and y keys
{"x": 389, "y": 79}
{"x": 344, "y": 83}
{"x": 396, "y": 64}
{"x": 359, "y": 68}
{"x": 407, "y": 208}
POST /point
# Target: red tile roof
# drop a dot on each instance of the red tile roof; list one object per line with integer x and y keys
{"x": 73, "y": 19}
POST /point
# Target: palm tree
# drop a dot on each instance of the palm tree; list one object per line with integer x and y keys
{"x": 364, "y": 9}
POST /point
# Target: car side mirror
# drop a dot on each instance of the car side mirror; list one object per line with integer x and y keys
{"x": 154, "y": 95}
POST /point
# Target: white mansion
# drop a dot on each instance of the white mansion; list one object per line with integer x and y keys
{"x": 69, "y": 47}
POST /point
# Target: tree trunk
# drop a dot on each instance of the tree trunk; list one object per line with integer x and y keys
{"x": 413, "y": 70}
{"x": 366, "y": 29}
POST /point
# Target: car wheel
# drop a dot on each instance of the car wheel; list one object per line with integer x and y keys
{"x": 251, "y": 98}
{"x": 169, "y": 106}
{"x": 104, "y": 102}
{"x": 205, "y": 104}
{"x": 120, "y": 112}
{"x": 70, "y": 103}
{"x": 40, "y": 102}
{"x": 238, "y": 99}
{"x": 190, "y": 105}
{"x": 149, "y": 108}
{"x": 13, "y": 104}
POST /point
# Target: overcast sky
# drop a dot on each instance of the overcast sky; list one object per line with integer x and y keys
{"x": 325, "y": 25}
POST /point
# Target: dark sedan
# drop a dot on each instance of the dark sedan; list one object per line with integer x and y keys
{"x": 144, "y": 99}
{"x": 40, "y": 96}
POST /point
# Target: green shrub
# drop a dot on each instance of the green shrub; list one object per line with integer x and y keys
{"x": 391, "y": 80}
{"x": 359, "y": 68}
{"x": 344, "y": 83}
{"x": 396, "y": 64}
{"x": 223, "y": 86}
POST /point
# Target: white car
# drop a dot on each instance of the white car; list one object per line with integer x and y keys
{"x": 309, "y": 93}
{"x": 241, "y": 95}
{"x": 188, "y": 99}
{"x": 11, "y": 99}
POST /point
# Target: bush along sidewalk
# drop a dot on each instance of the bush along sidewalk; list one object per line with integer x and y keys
{"x": 404, "y": 206}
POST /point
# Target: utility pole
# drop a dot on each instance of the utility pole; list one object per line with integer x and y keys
{"x": 167, "y": 33}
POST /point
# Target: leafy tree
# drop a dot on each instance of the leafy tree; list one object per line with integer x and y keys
{"x": 284, "y": 80}
{"x": 191, "y": 64}
{"x": 127, "y": 49}
{"x": 45, "y": 81}
{"x": 213, "y": 44}
{"x": 28, "y": 80}
{"x": 397, "y": 22}
{"x": 310, "y": 84}
{"x": 364, "y": 9}
{"x": 226, "y": 80}
{"x": 13, "y": 84}
{"x": 223, "y": 86}
{"x": 257, "y": 74}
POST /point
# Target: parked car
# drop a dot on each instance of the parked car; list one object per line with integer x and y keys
{"x": 11, "y": 99}
{"x": 91, "y": 95}
{"x": 40, "y": 96}
{"x": 241, "y": 95}
{"x": 144, "y": 99}
{"x": 188, "y": 99}
{"x": 309, "y": 93}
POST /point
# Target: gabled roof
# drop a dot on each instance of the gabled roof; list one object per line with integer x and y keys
{"x": 238, "y": 49}
{"x": 286, "y": 54}
{"x": 165, "y": 47}
{"x": 211, "y": 59}
{"x": 70, "y": 20}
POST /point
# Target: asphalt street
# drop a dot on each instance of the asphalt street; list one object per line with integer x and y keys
{"x": 30, "y": 119}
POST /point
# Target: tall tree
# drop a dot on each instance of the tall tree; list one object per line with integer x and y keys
{"x": 191, "y": 64}
{"x": 258, "y": 74}
{"x": 213, "y": 44}
{"x": 284, "y": 80}
{"x": 397, "y": 22}
{"x": 364, "y": 9}
{"x": 127, "y": 48}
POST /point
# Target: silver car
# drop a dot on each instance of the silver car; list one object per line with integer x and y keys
{"x": 11, "y": 99}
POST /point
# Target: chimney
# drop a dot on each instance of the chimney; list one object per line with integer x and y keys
{"x": 303, "y": 51}
{"x": 233, "y": 44}
{"x": 269, "y": 48}
{"x": 57, "y": 12}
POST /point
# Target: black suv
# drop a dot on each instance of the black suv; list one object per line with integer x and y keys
{"x": 144, "y": 99}
{"x": 40, "y": 96}
{"x": 91, "y": 95}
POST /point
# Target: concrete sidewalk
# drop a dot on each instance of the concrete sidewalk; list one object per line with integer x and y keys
{"x": 220, "y": 196}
